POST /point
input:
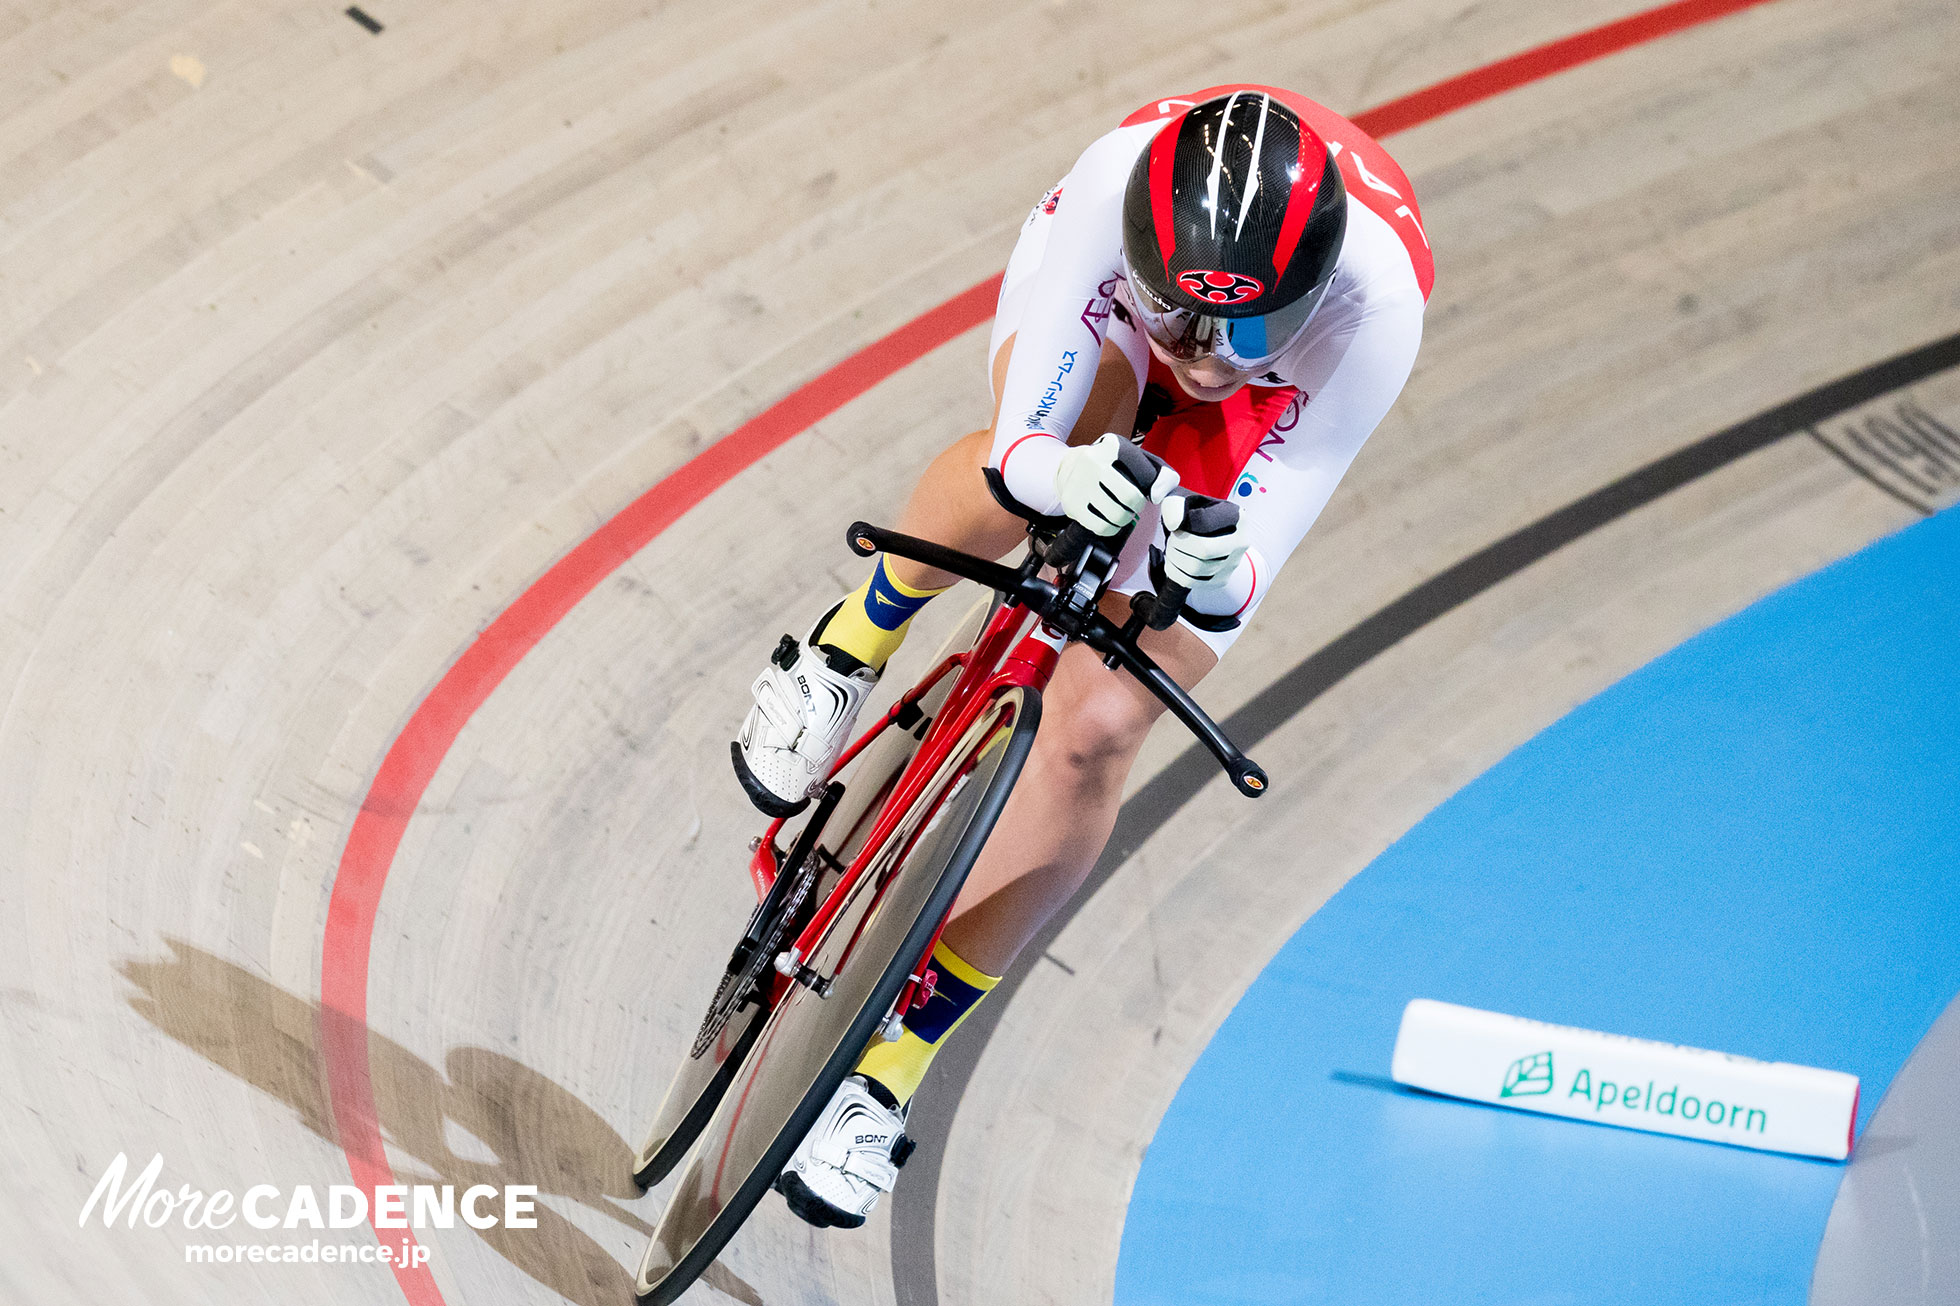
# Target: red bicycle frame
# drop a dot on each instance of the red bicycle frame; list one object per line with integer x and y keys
{"x": 1009, "y": 653}
{"x": 995, "y": 662}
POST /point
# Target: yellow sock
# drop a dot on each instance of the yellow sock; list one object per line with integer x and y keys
{"x": 872, "y": 621}
{"x": 900, "y": 1066}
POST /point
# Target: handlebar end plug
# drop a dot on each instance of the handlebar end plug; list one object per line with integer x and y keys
{"x": 1249, "y": 777}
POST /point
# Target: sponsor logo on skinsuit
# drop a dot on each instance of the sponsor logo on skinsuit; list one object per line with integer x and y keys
{"x": 1052, "y": 393}
{"x": 1248, "y": 485}
{"x": 1046, "y": 208}
{"x": 1288, "y": 419}
{"x": 1220, "y": 287}
{"x": 1095, "y": 313}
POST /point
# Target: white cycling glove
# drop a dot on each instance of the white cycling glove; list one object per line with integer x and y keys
{"x": 1203, "y": 546}
{"x": 1106, "y": 484}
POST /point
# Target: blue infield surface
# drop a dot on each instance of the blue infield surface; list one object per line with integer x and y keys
{"x": 1751, "y": 844}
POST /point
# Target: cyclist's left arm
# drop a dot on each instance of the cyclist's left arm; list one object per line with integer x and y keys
{"x": 1349, "y": 370}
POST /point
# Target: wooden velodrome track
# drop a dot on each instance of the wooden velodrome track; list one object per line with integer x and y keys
{"x": 325, "y": 344}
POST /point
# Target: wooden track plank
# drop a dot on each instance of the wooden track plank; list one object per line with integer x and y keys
{"x": 335, "y": 352}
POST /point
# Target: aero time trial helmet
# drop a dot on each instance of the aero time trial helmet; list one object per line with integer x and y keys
{"x": 1232, "y": 225}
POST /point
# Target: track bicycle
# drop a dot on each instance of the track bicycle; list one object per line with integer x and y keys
{"x": 850, "y": 908}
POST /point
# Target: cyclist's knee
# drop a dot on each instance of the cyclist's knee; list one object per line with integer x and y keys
{"x": 1100, "y": 725}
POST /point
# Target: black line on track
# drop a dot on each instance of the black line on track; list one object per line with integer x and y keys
{"x": 365, "y": 19}
{"x": 915, "y": 1273}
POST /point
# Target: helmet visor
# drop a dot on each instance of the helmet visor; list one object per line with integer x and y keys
{"x": 1245, "y": 343}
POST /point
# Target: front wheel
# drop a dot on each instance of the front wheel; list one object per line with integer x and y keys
{"x": 808, "y": 1044}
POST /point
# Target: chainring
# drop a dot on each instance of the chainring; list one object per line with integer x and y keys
{"x": 739, "y": 983}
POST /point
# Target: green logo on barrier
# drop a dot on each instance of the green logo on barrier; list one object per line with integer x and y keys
{"x": 1528, "y": 1077}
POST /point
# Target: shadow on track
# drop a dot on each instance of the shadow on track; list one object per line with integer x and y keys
{"x": 538, "y": 1132}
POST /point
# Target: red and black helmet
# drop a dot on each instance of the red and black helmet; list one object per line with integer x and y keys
{"x": 1232, "y": 224}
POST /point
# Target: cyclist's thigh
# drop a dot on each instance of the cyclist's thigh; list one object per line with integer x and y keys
{"x": 1114, "y": 707}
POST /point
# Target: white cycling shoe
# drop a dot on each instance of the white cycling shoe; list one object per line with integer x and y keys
{"x": 806, "y": 701}
{"x": 848, "y": 1160}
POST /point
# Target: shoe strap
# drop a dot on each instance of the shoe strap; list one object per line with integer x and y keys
{"x": 776, "y": 708}
{"x": 866, "y": 1163}
{"x": 876, "y": 1170}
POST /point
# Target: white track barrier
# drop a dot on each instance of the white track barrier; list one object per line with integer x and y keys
{"x": 1629, "y": 1082}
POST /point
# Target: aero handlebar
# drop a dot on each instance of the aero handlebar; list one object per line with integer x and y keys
{"x": 1067, "y": 603}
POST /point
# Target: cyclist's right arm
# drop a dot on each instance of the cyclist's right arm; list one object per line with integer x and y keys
{"x": 1059, "y": 340}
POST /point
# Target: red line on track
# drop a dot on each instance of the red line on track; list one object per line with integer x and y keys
{"x": 1541, "y": 62}
{"x": 416, "y": 752}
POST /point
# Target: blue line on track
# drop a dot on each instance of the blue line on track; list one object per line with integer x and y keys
{"x": 1749, "y": 844}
